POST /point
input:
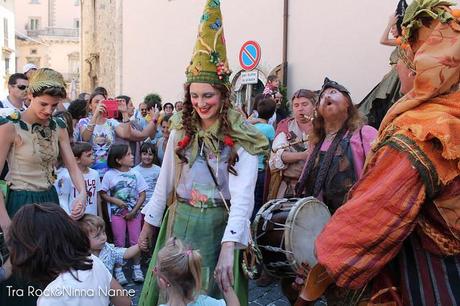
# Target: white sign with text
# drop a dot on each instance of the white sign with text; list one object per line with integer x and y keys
{"x": 249, "y": 77}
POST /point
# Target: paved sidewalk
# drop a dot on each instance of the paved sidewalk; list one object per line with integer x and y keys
{"x": 266, "y": 296}
{"x": 258, "y": 296}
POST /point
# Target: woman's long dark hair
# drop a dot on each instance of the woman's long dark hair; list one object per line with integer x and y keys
{"x": 190, "y": 122}
{"x": 45, "y": 242}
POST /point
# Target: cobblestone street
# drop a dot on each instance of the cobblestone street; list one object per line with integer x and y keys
{"x": 270, "y": 295}
{"x": 266, "y": 296}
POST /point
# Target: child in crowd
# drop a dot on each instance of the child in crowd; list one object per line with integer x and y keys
{"x": 265, "y": 108}
{"x": 272, "y": 90}
{"x": 168, "y": 109}
{"x": 178, "y": 273}
{"x": 67, "y": 192}
{"x": 94, "y": 228}
{"x": 272, "y": 86}
{"x": 163, "y": 141}
{"x": 124, "y": 188}
{"x": 255, "y": 115}
{"x": 149, "y": 168}
{"x": 48, "y": 248}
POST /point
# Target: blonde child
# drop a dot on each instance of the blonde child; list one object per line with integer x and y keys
{"x": 124, "y": 188}
{"x": 94, "y": 228}
{"x": 178, "y": 273}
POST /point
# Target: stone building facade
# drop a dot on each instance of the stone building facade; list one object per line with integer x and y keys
{"x": 101, "y": 45}
{"x": 48, "y": 35}
{"x": 7, "y": 44}
{"x": 143, "y": 46}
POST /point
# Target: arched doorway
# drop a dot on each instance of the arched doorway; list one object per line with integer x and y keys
{"x": 240, "y": 90}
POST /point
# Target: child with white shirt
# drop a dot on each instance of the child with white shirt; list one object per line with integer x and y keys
{"x": 149, "y": 168}
{"x": 124, "y": 189}
{"x": 67, "y": 192}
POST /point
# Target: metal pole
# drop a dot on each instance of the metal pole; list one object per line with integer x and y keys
{"x": 284, "y": 67}
{"x": 248, "y": 98}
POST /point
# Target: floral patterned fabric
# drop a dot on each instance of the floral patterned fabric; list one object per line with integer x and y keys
{"x": 430, "y": 111}
{"x": 103, "y": 137}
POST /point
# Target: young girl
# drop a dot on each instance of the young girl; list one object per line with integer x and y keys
{"x": 178, "y": 272}
{"x": 163, "y": 141}
{"x": 124, "y": 189}
{"x": 149, "y": 168}
{"x": 49, "y": 248}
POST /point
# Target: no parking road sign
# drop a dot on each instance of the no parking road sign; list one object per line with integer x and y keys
{"x": 250, "y": 55}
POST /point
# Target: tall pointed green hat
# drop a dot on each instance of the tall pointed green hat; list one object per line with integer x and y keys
{"x": 209, "y": 60}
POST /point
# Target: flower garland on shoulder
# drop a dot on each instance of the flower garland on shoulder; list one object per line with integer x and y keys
{"x": 185, "y": 141}
{"x": 182, "y": 144}
{"x": 228, "y": 141}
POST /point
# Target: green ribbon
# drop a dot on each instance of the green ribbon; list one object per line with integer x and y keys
{"x": 242, "y": 133}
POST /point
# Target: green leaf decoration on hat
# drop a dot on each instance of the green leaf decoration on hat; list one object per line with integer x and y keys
{"x": 421, "y": 9}
{"x": 214, "y": 3}
{"x": 205, "y": 17}
{"x": 209, "y": 60}
{"x": 45, "y": 78}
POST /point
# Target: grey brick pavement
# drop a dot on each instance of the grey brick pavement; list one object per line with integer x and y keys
{"x": 265, "y": 296}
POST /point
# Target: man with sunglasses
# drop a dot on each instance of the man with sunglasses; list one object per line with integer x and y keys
{"x": 17, "y": 93}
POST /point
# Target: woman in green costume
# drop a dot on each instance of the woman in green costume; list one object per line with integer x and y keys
{"x": 31, "y": 142}
{"x": 209, "y": 171}
{"x": 376, "y": 104}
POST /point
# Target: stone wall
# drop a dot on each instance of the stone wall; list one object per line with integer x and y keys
{"x": 101, "y": 45}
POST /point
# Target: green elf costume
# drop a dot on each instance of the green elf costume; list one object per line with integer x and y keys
{"x": 209, "y": 175}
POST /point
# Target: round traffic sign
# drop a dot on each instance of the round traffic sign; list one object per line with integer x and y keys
{"x": 249, "y": 55}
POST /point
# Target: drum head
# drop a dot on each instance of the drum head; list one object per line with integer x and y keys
{"x": 304, "y": 223}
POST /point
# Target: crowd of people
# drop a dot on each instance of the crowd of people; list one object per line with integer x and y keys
{"x": 92, "y": 184}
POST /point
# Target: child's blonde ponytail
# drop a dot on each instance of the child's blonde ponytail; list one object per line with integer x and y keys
{"x": 181, "y": 268}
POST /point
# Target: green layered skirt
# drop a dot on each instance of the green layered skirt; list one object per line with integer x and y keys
{"x": 202, "y": 229}
{"x": 15, "y": 200}
{"x": 18, "y": 198}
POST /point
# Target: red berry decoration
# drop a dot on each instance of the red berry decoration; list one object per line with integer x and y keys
{"x": 184, "y": 142}
{"x": 228, "y": 140}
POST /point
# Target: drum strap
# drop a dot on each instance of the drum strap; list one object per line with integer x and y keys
{"x": 323, "y": 169}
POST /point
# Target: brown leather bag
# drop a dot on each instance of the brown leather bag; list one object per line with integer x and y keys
{"x": 276, "y": 178}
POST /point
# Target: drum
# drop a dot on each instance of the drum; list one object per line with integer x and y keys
{"x": 284, "y": 230}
